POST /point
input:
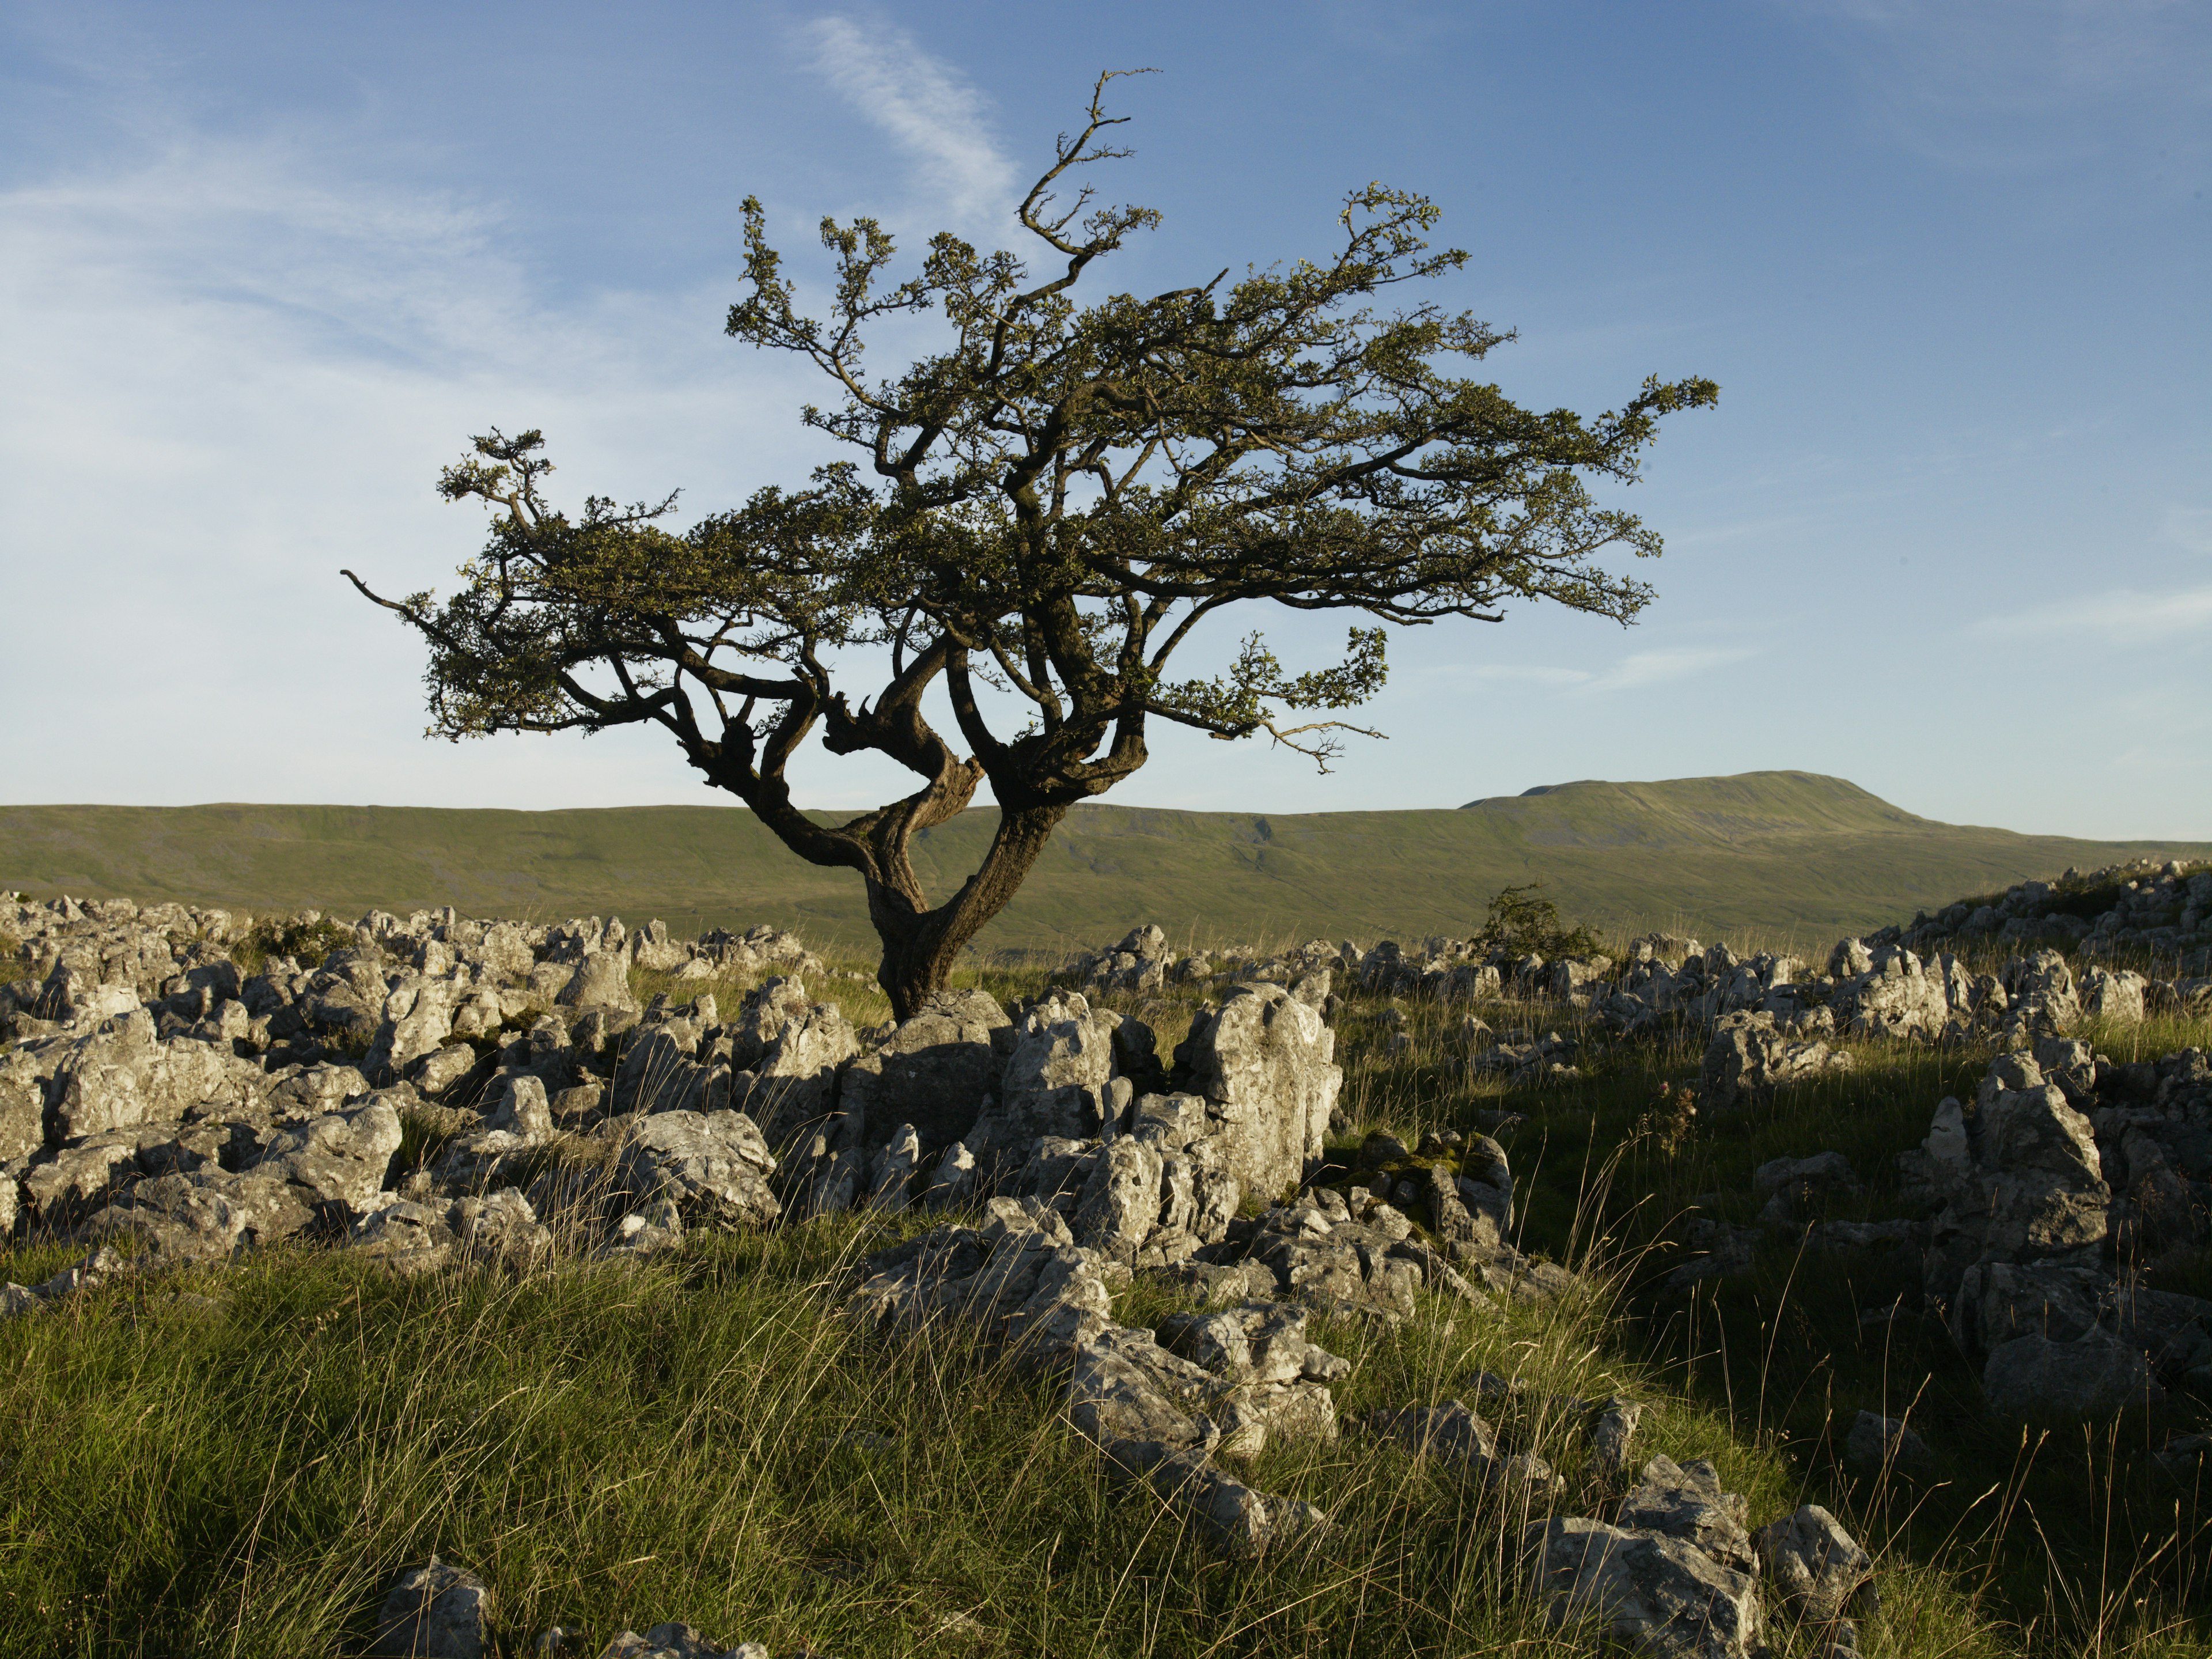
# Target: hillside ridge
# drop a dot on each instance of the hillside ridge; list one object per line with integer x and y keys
{"x": 1765, "y": 851}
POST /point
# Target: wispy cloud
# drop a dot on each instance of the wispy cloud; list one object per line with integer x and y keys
{"x": 2002, "y": 83}
{"x": 2120, "y": 615}
{"x": 1633, "y": 672}
{"x": 920, "y": 102}
{"x": 233, "y": 368}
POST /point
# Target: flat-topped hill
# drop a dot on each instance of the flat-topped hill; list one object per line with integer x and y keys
{"x": 1768, "y": 852}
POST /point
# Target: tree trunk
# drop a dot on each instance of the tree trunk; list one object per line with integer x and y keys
{"x": 920, "y": 946}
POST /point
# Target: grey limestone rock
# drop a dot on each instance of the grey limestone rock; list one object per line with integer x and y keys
{"x": 1818, "y": 1567}
{"x": 2094, "y": 1375}
{"x": 418, "y": 1017}
{"x": 714, "y": 1165}
{"x": 2114, "y": 994}
{"x": 438, "y": 1071}
{"x": 121, "y": 1075}
{"x": 1060, "y": 1080}
{"x": 407, "y": 1236}
{"x": 1141, "y": 1403}
{"x": 892, "y": 1171}
{"x": 1795, "y": 1188}
{"x": 1715, "y": 1250}
{"x": 1654, "y": 1594}
{"x": 601, "y": 980}
{"x": 675, "y": 1642}
{"x": 1449, "y": 1433}
{"x": 1685, "y": 1501}
{"x": 1895, "y": 996}
{"x": 786, "y": 1051}
{"x": 436, "y": 1611}
{"x": 22, "y": 1105}
{"x": 1265, "y": 1060}
{"x": 1750, "y": 1056}
{"x": 1021, "y": 1277}
{"x": 933, "y": 1070}
{"x": 1876, "y": 1442}
{"x": 1612, "y": 1433}
{"x": 521, "y": 1108}
{"x": 1120, "y": 1204}
{"x": 343, "y": 1158}
{"x": 208, "y": 1215}
{"x": 1237, "y": 1519}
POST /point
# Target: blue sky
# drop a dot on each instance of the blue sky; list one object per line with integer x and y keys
{"x": 1949, "y": 532}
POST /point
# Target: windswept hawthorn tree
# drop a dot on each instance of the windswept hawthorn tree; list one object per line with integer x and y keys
{"x": 1043, "y": 511}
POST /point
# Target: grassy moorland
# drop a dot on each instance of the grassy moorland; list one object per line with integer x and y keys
{"x": 237, "y": 1461}
{"x": 1769, "y": 851}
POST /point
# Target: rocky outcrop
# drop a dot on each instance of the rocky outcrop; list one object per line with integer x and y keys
{"x": 1750, "y": 1056}
{"x": 437, "y": 1611}
{"x": 1021, "y": 1277}
{"x": 1649, "y": 1592}
{"x": 2035, "y": 1197}
{"x": 1140, "y": 963}
{"x": 714, "y": 1166}
{"x": 1264, "y": 1063}
{"x": 1160, "y": 1405}
{"x": 1066, "y": 1077}
{"x": 933, "y": 1071}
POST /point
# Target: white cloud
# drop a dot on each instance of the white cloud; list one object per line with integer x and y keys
{"x": 1634, "y": 672}
{"x": 1640, "y": 669}
{"x": 233, "y": 370}
{"x": 922, "y": 103}
{"x": 2120, "y": 615}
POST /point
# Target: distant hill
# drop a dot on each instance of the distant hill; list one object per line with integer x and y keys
{"x": 1770, "y": 852}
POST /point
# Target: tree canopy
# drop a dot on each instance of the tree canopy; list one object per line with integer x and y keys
{"x": 1037, "y": 516}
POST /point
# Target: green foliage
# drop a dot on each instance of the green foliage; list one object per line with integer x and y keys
{"x": 1522, "y": 922}
{"x": 307, "y": 943}
{"x": 1038, "y": 513}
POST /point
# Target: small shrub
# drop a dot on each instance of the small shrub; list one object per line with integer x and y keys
{"x": 1522, "y": 922}
{"x": 307, "y": 943}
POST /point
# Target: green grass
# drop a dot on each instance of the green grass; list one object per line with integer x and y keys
{"x": 1769, "y": 851}
{"x": 238, "y": 1462}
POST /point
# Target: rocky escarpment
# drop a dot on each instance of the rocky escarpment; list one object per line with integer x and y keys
{"x": 2158, "y": 912}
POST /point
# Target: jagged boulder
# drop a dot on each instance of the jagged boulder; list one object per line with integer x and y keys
{"x": 123, "y": 1074}
{"x": 22, "y": 1105}
{"x": 933, "y": 1071}
{"x": 1021, "y": 1277}
{"x": 1651, "y": 1593}
{"x": 1894, "y": 996}
{"x": 2094, "y": 1375}
{"x": 1264, "y": 1061}
{"x": 601, "y": 980}
{"x": 1684, "y": 1501}
{"x": 1138, "y": 963}
{"x": 1819, "y": 1568}
{"x": 436, "y": 1611}
{"x": 343, "y": 1158}
{"x": 786, "y": 1052}
{"x": 208, "y": 1215}
{"x": 714, "y": 1165}
{"x": 1750, "y": 1056}
{"x": 2020, "y": 1180}
{"x": 1063, "y": 1079}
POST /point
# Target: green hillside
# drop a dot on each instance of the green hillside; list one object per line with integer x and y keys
{"x": 1771, "y": 852}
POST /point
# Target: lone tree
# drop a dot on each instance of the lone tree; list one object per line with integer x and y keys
{"x": 1044, "y": 511}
